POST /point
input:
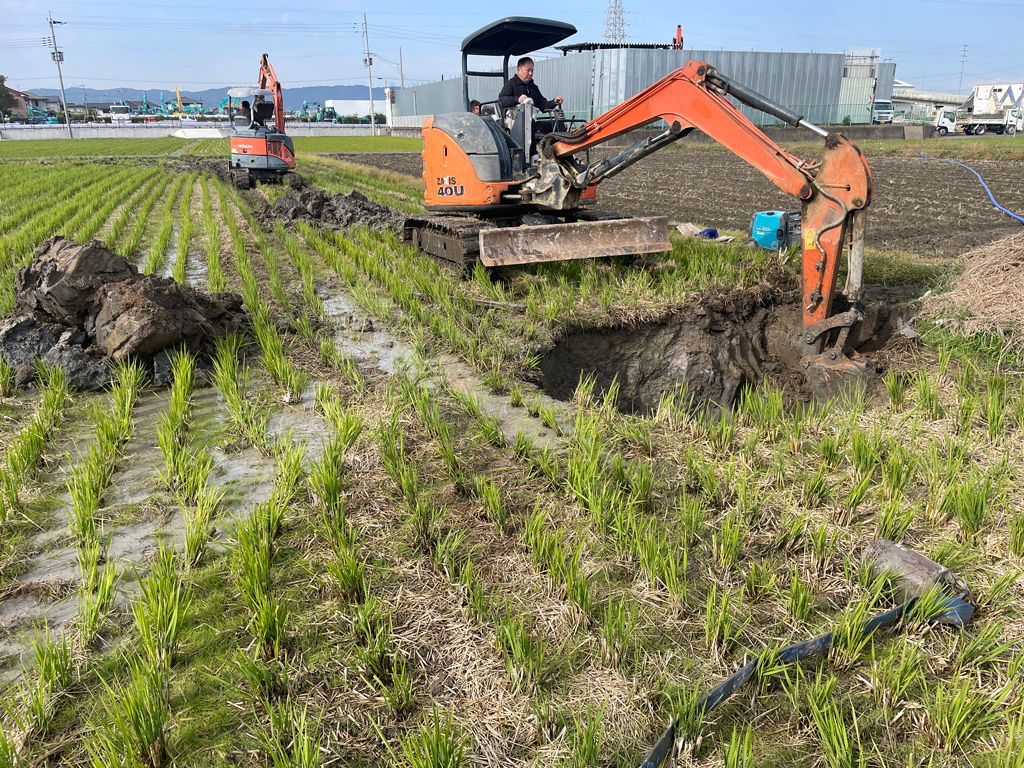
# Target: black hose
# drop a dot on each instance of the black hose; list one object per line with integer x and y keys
{"x": 957, "y": 612}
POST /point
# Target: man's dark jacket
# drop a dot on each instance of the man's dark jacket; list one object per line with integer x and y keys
{"x": 515, "y": 88}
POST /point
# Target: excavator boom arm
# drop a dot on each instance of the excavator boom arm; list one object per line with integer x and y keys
{"x": 268, "y": 79}
{"x": 833, "y": 191}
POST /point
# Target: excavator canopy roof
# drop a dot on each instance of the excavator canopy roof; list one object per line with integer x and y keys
{"x": 516, "y": 35}
{"x": 243, "y": 92}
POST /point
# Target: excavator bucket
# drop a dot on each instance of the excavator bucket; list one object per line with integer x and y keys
{"x": 505, "y": 246}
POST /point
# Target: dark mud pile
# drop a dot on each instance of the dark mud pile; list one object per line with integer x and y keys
{"x": 81, "y": 306}
{"x": 711, "y": 348}
{"x": 333, "y": 211}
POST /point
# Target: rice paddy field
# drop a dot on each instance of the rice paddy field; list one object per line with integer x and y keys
{"x": 365, "y": 532}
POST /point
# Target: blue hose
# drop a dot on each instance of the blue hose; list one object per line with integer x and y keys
{"x": 1011, "y": 214}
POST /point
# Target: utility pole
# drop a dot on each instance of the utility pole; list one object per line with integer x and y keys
{"x": 58, "y": 57}
{"x": 368, "y": 63}
{"x": 963, "y": 58}
{"x": 401, "y": 72}
{"x": 85, "y": 100}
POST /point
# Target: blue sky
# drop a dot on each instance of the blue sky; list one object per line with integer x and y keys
{"x": 195, "y": 44}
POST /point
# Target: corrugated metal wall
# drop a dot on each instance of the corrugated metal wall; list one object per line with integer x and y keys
{"x": 886, "y": 78}
{"x": 594, "y": 81}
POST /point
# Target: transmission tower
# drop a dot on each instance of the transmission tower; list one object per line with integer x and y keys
{"x": 615, "y": 23}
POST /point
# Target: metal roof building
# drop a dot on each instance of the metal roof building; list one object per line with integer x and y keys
{"x": 824, "y": 87}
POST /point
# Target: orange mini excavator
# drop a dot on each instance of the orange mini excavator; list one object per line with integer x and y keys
{"x": 258, "y": 151}
{"x": 492, "y": 200}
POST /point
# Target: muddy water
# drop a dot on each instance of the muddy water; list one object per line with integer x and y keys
{"x": 360, "y": 339}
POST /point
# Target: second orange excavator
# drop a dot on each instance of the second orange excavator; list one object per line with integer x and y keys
{"x": 503, "y": 196}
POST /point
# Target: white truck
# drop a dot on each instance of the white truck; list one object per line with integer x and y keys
{"x": 945, "y": 122}
{"x": 992, "y": 108}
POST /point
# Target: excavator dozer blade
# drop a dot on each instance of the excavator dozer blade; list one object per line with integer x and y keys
{"x": 503, "y": 246}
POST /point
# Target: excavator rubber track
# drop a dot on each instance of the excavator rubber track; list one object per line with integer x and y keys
{"x": 454, "y": 239}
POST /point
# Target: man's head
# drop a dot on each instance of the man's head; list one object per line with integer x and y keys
{"x": 524, "y": 69}
{"x": 245, "y": 105}
{"x": 474, "y": 107}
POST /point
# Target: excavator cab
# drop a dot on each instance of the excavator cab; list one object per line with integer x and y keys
{"x": 260, "y": 149}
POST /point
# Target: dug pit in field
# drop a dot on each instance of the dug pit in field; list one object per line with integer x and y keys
{"x": 710, "y": 347}
{"x": 81, "y": 306}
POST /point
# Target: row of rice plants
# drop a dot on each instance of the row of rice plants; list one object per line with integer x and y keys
{"x": 131, "y": 207}
{"x": 93, "y": 148}
{"x": 303, "y": 263}
{"x": 283, "y": 372}
{"x": 35, "y": 189}
{"x": 158, "y": 252}
{"x": 17, "y": 246}
{"x": 185, "y": 233}
{"x": 138, "y": 231}
{"x": 34, "y": 702}
{"x": 265, "y": 248}
{"x": 248, "y": 415}
{"x": 25, "y": 450}
{"x": 88, "y": 221}
{"x": 215, "y": 279}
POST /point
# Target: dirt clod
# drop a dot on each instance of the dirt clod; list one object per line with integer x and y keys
{"x": 335, "y": 211}
{"x": 80, "y": 306}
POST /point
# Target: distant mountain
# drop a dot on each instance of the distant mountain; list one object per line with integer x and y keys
{"x": 293, "y": 97}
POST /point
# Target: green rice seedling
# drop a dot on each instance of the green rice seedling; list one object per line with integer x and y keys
{"x": 969, "y": 501}
{"x": 823, "y": 546}
{"x": 437, "y": 744}
{"x": 399, "y": 695}
{"x": 762, "y": 407}
{"x": 800, "y": 597}
{"x": 996, "y": 401}
{"x": 36, "y": 694}
{"x": 585, "y": 748}
{"x": 894, "y": 518}
{"x": 448, "y": 554}
{"x": 720, "y": 629}
{"x": 758, "y": 581}
{"x": 928, "y": 396}
{"x": 375, "y": 653}
{"x": 1015, "y": 521}
{"x": 269, "y": 624}
{"x": 839, "y": 741}
{"x": 692, "y": 516}
{"x": 1011, "y": 754}
{"x": 792, "y": 531}
{"x": 618, "y": 627}
{"x": 1000, "y": 595}
{"x": 892, "y": 678}
{"x": 424, "y": 522}
{"x": 896, "y": 387}
{"x": 291, "y": 456}
{"x": 967, "y": 408}
{"x": 848, "y": 638}
{"x": 161, "y": 609}
{"x": 855, "y": 498}
{"x": 898, "y": 470}
{"x": 526, "y": 656}
{"x": 9, "y": 755}
{"x": 959, "y": 717}
{"x": 290, "y": 740}
{"x": 134, "y": 721}
{"x": 6, "y": 378}
{"x": 489, "y": 495}
{"x": 96, "y": 595}
{"x": 721, "y": 429}
{"x": 863, "y": 455}
{"x": 347, "y": 572}
{"x": 727, "y": 542}
{"x": 821, "y": 690}
{"x": 815, "y": 487}
{"x": 739, "y": 752}
{"x": 198, "y": 520}
{"x": 985, "y": 648}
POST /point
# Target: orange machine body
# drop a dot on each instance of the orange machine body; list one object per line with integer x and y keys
{"x": 450, "y": 178}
